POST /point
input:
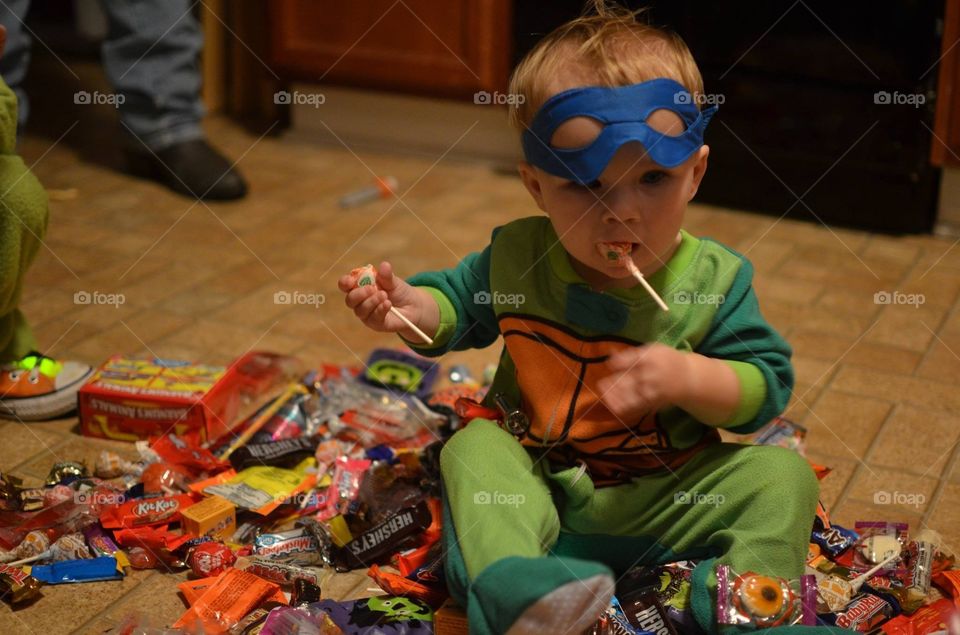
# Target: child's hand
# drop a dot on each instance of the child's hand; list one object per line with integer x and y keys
{"x": 371, "y": 303}
{"x": 643, "y": 380}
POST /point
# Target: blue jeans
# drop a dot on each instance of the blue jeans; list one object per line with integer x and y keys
{"x": 150, "y": 57}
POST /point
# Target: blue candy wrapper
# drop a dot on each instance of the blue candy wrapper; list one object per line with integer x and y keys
{"x": 88, "y": 570}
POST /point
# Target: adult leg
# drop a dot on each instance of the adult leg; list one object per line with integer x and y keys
{"x": 151, "y": 58}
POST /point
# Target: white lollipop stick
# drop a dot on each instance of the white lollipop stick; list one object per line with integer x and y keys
{"x": 858, "y": 581}
{"x": 23, "y": 561}
{"x": 367, "y": 275}
{"x": 413, "y": 326}
{"x": 646, "y": 285}
{"x": 620, "y": 253}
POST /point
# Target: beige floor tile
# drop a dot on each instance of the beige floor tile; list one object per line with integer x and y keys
{"x": 945, "y": 518}
{"x": 909, "y": 327}
{"x": 895, "y": 490}
{"x": 917, "y": 440}
{"x": 836, "y": 482}
{"x": 938, "y": 286}
{"x": 891, "y": 249}
{"x": 62, "y": 608}
{"x": 852, "y": 351}
{"x": 942, "y": 360}
{"x": 815, "y": 373}
{"x": 787, "y": 290}
{"x": 156, "y": 599}
{"x": 21, "y": 441}
{"x": 844, "y": 425}
{"x": 923, "y": 393}
{"x": 852, "y": 510}
{"x": 77, "y": 448}
{"x": 801, "y": 402}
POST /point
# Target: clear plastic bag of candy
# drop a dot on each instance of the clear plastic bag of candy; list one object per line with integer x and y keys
{"x": 374, "y": 414}
{"x": 764, "y": 601}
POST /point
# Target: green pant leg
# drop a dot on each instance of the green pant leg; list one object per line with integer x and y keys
{"x": 16, "y": 338}
{"x": 499, "y": 526}
{"x": 23, "y": 223}
{"x": 750, "y": 506}
{"x": 499, "y": 502}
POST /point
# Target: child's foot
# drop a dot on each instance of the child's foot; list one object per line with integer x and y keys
{"x": 37, "y": 387}
{"x": 570, "y": 609}
{"x": 539, "y": 596}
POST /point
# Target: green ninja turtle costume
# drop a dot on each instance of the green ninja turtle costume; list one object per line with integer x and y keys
{"x": 582, "y": 495}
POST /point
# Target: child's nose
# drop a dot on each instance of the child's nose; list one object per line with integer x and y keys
{"x": 620, "y": 206}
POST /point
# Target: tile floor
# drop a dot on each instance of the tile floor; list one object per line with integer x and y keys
{"x": 877, "y": 384}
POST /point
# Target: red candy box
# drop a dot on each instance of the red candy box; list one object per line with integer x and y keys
{"x": 132, "y": 399}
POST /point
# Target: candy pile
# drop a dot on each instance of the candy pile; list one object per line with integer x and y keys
{"x": 874, "y": 578}
{"x": 339, "y": 471}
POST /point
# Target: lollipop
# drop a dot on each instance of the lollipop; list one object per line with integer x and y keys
{"x": 67, "y": 547}
{"x": 620, "y": 254}
{"x": 366, "y": 275}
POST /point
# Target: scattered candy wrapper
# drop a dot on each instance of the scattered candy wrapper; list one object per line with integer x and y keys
{"x": 232, "y": 596}
{"x": 262, "y": 488}
{"x": 91, "y": 570}
{"x": 764, "y": 601}
{"x": 383, "y": 615}
{"x": 17, "y": 586}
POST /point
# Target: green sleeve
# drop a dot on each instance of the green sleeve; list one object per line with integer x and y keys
{"x": 758, "y": 355}
{"x": 467, "y": 318}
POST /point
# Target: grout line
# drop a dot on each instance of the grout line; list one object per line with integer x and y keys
{"x": 862, "y": 463}
{"x": 65, "y": 438}
{"x": 953, "y": 463}
{"x": 934, "y": 342}
{"x": 121, "y": 601}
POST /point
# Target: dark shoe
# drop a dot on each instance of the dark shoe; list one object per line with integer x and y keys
{"x": 192, "y": 168}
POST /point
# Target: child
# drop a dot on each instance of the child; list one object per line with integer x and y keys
{"x": 622, "y": 462}
{"x": 32, "y": 386}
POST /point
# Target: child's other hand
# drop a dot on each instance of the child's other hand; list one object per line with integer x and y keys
{"x": 371, "y": 303}
{"x": 644, "y": 379}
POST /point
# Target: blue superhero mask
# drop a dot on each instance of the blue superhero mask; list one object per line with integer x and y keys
{"x": 623, "y": 111}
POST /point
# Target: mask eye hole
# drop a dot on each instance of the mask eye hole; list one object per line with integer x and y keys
{"x": 576, "y": 132}
{"x": 666, "y": 122}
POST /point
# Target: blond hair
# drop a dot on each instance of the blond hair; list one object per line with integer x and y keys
{"x": 613, "y": 47}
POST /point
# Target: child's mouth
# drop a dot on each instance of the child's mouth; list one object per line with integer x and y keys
{"x": 616, "y": 252}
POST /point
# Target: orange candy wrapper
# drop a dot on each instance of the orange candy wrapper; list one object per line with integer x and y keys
{"x": 234, "y": 594}
{"x": 146, "y": 511}
{"x": 398, "y": 585}
{"x": 949, "y": 581}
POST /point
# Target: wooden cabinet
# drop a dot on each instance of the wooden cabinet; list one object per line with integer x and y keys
{"x": 945, "y": 149}
{"x": 452, "y": 48}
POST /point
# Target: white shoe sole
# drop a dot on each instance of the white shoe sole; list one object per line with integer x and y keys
{"x": 49, "y": 406}
{"x": 568, "y": 610}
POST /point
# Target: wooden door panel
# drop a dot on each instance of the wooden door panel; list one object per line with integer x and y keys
{"x": 451, "y": 48}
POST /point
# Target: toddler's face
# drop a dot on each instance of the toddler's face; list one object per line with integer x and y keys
{"x": 635, "y": 200}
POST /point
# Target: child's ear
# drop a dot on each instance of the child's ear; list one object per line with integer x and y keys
{"x": 699, "y": 169}
{"x": 530, "y": 178}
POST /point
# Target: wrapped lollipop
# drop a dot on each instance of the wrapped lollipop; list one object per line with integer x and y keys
{"x": 34, "y": 543}
{"x": 111, "y": 465}
{"x": 619, "y": 253}
{"x": 66, "y": 547}
{"x": 367, "y": 275}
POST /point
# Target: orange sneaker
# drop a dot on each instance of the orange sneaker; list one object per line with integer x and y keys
{"x": 37, "y": 387}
